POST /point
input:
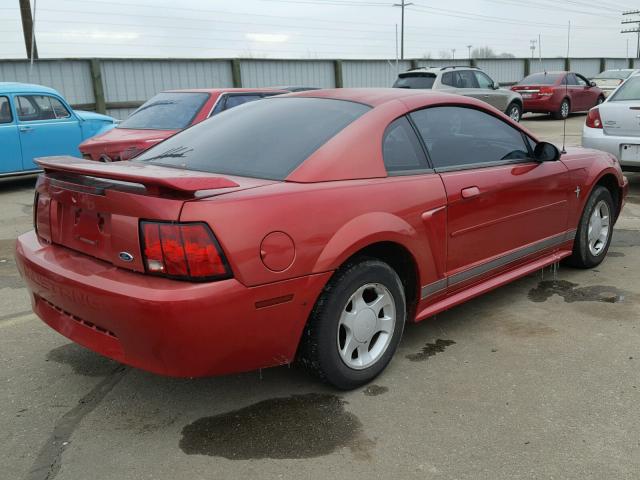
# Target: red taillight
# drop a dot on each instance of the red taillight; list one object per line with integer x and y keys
{"x": 546, "y": 91}
{"x": 593, "y": 118}
{"x": 186, "y": 251}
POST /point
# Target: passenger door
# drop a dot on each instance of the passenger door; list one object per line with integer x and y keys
{"x": 588, "y": 93}
{"x": 10, "y": 156}
{"x": 502, "y": 205}
{"x": 493, "y": 96}
{"x": 47, "y": 127}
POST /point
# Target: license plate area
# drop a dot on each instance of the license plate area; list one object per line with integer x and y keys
{"x": 629, "y": 152}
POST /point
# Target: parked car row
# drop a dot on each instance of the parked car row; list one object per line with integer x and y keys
{"x": 558, "y": 93}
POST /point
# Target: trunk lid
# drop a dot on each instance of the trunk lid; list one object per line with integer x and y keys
{"x": 95, "y": 208}
{"x": 621, "y": 118}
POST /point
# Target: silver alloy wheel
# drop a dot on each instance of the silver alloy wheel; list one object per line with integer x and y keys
{"x": 514, "y": 113}
{"x": 366, "y": 326}
{"x": 598, "y": 232}
{"x": 564, "y": 109}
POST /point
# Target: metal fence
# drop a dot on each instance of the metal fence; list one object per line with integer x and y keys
{"x": 118, "y": 86}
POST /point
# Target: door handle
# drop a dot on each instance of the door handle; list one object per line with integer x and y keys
{"x": 25, "y": 129}
{"x": 470, "y": 192}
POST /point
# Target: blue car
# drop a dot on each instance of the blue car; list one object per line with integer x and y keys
{"x": 35, "y": 121}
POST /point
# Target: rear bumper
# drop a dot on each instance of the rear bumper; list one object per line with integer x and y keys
{"x": 165, "y": 326}
{"x": 595, "y": 138}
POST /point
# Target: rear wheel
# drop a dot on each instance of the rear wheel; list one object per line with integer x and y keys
{"x": 514, "y": 111}
{"x": 563, "y": 112}
{"x": 594, "y": 231}
{"x": 356, "y": 324}
{"x": 600, "y": 100}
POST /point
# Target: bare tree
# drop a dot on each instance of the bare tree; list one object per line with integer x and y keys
{"x": 444, "y": 54}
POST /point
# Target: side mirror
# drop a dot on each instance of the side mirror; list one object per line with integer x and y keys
{"x": 496, "y": 85}
{"x": 593, "y": 84}
{"x": 546, "y": 152}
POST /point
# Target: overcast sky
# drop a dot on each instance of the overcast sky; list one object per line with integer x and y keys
{"x": 314, "y": 28}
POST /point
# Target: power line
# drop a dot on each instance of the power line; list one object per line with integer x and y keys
{"x": 633, "y": 30}
{"x": 402, "y": 6}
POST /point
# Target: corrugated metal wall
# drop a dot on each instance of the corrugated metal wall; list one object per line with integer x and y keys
{"x": 505, "y": 70}
{"x": 304, "y": 73}
{"x": 589, "y": 67}
{"x": 70, "y": 77}
{"x": 428, "y": 62}
{"x": 613, "y": 63}
{"x": 139, "y": 80}
{"x": 372, "y": 73}
{"x": 547, "y": 65}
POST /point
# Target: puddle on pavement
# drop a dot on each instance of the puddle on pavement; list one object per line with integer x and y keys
{"x": 430, "y": 349}
{"x": 572, "y": 292}
{"x": 300, "y": 426}
{"x": 83, "y": 361}
{"x": 375, "y": 390}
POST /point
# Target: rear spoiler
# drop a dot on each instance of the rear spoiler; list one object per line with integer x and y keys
{"x": 153, "y": 177}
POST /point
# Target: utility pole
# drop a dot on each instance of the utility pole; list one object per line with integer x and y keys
{"x": 633, "y": 30}
{"x": 402, "y": 5}
{"x": 469, "y": 48}
{"x": 532, "y": 46}
{"x": 453, "y": 53}
{"x": 27, "y": 29}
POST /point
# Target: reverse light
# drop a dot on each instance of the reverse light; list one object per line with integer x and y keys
{"x": 593, "y": 118}
{"x": 184, "y": 251}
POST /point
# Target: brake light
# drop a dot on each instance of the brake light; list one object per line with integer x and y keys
{"x": 546, "y": 91}
{"x": 185, "y": 251}
{"x": 593, "y": 118}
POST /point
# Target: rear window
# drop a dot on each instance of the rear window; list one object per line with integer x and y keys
{"x": 167, "y": 111}
{"x": 416, "y": 80}
{"x": 630, "y": 90}
{"x": 266, "y": 139}
{"x": 614, "y": 74}
{"x": 540, "y": 79}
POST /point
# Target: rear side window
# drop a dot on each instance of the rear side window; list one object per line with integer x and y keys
{"x": 5, "y": 111}
{"x": 540, "y": 79}
{"x": 40, "y": 107}
{"x": 266, "y": 139}
{"x": 630, "y": 90}
{"x": 401, "y": 148}
{"x": 418, "y": 80}
{"x": 458, "y": 136}
{"x": 167, "y": 111}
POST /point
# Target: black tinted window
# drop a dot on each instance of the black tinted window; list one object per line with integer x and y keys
{"x": 420, "y": 80}
{"x": 167, "y": 111}
{"x": 540, "y": 79}
{"x": 458, "y": 136}
{"x": 266, "y": 139}
{"x": 5, "y": 111}
{"x": 401, "y": 148}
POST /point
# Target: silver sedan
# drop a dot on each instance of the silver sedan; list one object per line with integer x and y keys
{"x": 614, "y": 126}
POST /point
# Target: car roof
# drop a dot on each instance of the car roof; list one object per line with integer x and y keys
{"x": 224, "y": 90}
{"x": 10, "y": 87}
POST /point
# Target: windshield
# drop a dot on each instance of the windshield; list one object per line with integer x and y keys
{"x": 166, "y": 111}
{"x": 614, "y": 74}
{"x": 416, "y": 80}
{"x": 629, "y": 90}
{"x": 266, "y": 139}
{"x": 541, "y": 79}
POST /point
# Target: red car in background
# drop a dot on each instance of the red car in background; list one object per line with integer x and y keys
{"x": 164, "y": 115}
{"x": 558, "y": 93}
{"x": 312, "y": 225}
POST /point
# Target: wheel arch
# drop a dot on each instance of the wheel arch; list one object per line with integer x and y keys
{"x": 610, "y": 182}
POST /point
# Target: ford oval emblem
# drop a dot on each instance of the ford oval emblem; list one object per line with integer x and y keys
{"x": 125, "y": 257}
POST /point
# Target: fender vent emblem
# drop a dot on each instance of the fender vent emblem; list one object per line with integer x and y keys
{"x": 125, "y": 257}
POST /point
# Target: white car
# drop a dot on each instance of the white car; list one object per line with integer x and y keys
{"x": 609, "y": 80}
{"x": 614, "y": 126}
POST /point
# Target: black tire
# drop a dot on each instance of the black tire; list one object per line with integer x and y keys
{"x": 559, "y": 115}
{"x": 600, "y": 100}
{"x": 582, "y": 257}
{"x": 319, "y": 347}
{"x": 512, "y": 109}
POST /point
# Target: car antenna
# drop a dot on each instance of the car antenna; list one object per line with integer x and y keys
{"x": 566, "y": 93}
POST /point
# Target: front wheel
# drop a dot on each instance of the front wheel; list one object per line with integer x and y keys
{"x": 514, "y": 111}
{"x": 594, "y": 231}
{"x": 356, "y": 324}
{"x": 600, "y": 100}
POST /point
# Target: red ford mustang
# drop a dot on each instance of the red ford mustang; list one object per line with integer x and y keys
{"x": 312, "y": 225}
